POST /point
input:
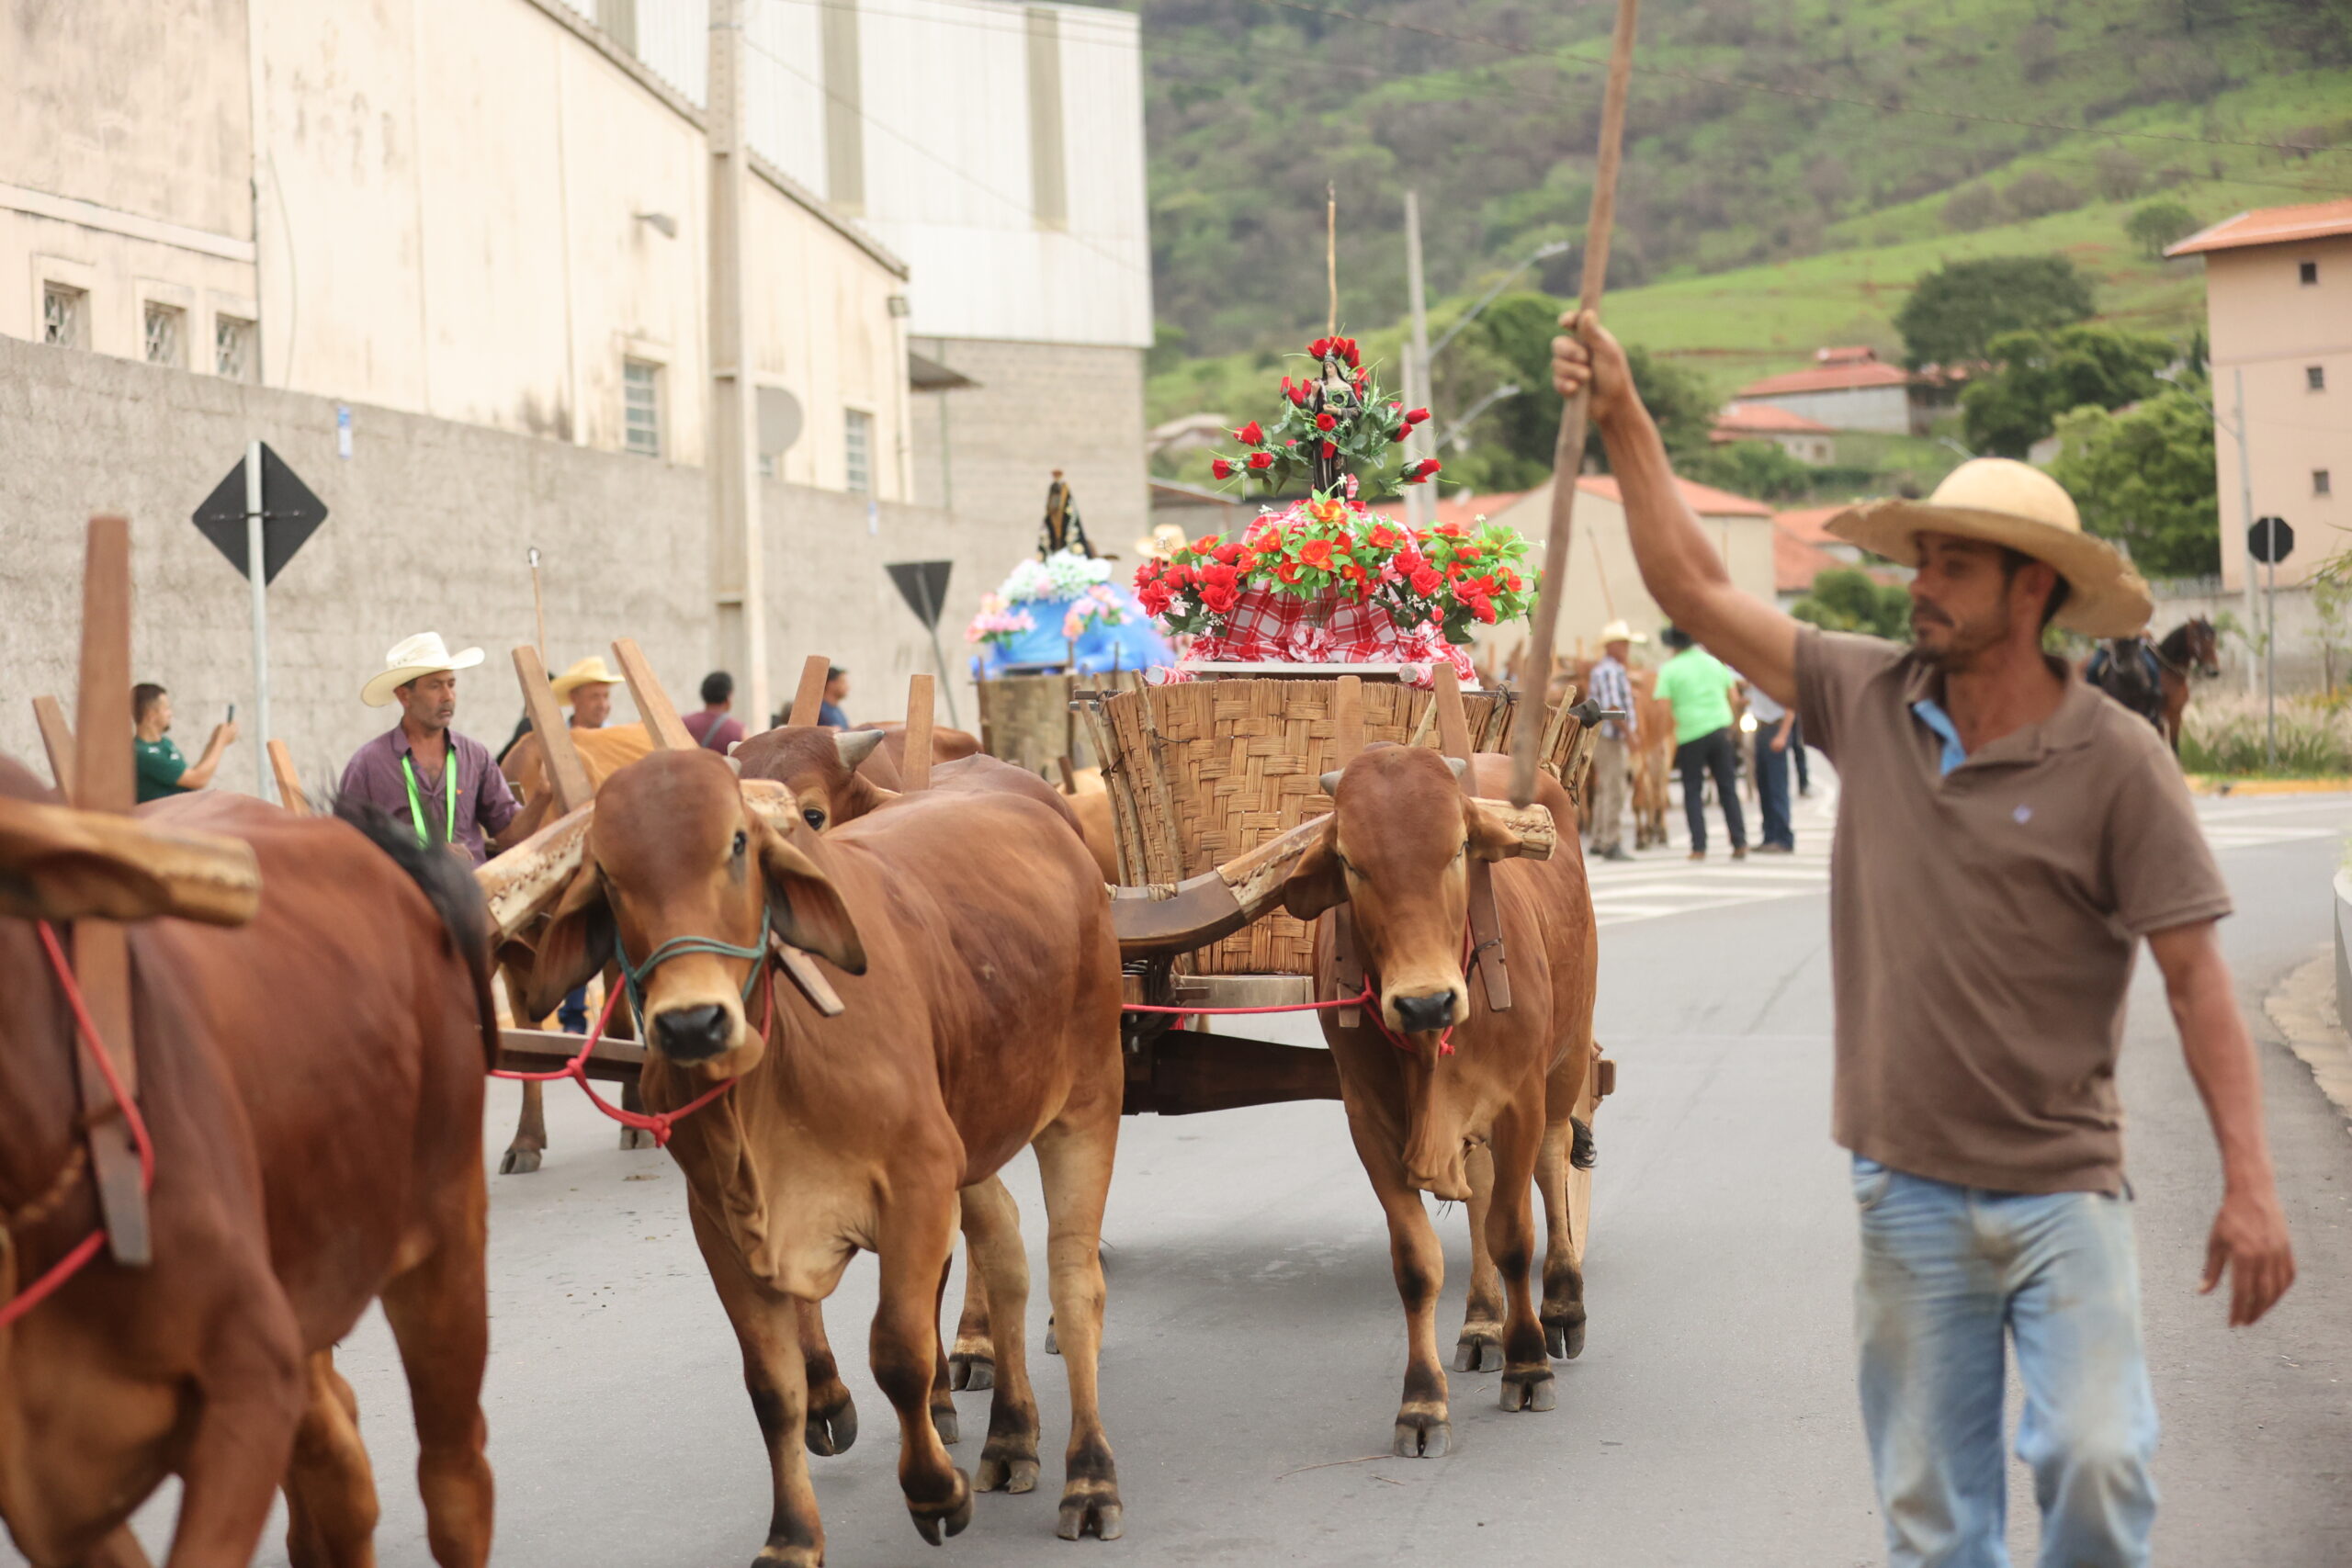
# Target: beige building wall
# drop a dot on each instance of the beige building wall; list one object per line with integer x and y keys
{"x": 2273, "y": 329}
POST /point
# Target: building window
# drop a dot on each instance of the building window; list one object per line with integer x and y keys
{"x": 2320, "y": 485}
{"x": 641, "y": 408}
{"x": 64, "y": 312}
{"x": 166, "y": 335}
{"x": 236, "y": 353}
{"x": 857, "y": 451}
{"x": 2315, "y": 378}
{"x": 2309, "y": 271}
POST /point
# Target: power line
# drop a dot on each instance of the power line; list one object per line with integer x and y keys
{"x": 1879, "y": 106}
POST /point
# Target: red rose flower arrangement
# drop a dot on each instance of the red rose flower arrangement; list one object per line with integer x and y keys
{"x": 1335, "y": 415}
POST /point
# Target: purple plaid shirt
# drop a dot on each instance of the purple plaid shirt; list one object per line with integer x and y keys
{"x": 484, "y": 803}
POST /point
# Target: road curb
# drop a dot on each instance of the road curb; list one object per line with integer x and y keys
{"x": 2303, "y": 1006}
{"x": 2216, "y": 785}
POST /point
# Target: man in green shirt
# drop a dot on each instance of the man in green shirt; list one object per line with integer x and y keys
{"x": 163, "y": 772}
{"x": 1699, "y": 687}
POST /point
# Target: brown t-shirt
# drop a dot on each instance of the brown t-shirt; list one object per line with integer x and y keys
{"x": 1983, "y": 922}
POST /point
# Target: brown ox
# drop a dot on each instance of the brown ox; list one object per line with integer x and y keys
{"x": 1652, "y": 758}
{"x": 313, "y": 1081}
{"x": 1396, "y": 852}
{"x": 980, "y": 1015}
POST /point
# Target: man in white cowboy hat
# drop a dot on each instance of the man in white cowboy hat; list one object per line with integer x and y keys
{"x": 1612, "y": 686}
{"x": 2005, "y": 838}
{"x": 587, "y": 686}
{"x": 444, "y": 785}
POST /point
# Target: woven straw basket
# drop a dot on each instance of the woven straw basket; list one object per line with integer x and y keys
{"x": 1203, "y": 771}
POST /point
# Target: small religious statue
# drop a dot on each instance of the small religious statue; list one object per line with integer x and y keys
{"x": 1062, "y": 530}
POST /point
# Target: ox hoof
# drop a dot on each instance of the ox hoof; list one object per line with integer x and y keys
{"x": 934, "y": 1523}
{"x": 944, "y": 1422}
{"x": 518, "y": 1162}
{"x": 1053, "y": 1341}
{"x": 1091, "y": 1507}
{"x": 1528, "y": 1389}
{"x": 1583, "y": 1153}
{"x": 1422, "y": 1434}
{"x": 830, "y": 1432}
{"x": 1480, "y": 1349}
{"x": 793, "y": 1555}
{"x": 971, "y": 1370}
{"x": 1563, "y": 1335}
{"x": 1013, "y": 1474}
{"x": 638, "y": 1138}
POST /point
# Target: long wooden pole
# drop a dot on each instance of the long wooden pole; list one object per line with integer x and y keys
{"x": 1331, "y": 254}
{"x": 1567, "y": 456}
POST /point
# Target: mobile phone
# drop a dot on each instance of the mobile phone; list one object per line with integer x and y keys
{"x": 233, "y": 714}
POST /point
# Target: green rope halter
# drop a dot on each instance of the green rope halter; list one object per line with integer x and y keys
{"x": 635, "y": 975}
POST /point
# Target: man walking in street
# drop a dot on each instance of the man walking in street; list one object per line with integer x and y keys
{"x": 714, "y": 728}
{"x": 2005, "y": 838}
{"x": 420, "y": 772}
{"x": 1699, "y": 686}
{"x": 162, "y": 771}
{"x": 1774, "y": 725}
{"x": 1612, "y": 688}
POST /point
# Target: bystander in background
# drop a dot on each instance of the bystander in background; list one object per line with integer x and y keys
{"x": 163, "y": 772}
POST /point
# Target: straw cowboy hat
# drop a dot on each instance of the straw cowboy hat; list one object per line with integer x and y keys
{"x": 424, "y": 654}
{"x": 1166, "y": 539}
{"x": 2006, "y": 503}
{"x": 1617, "y": 631}
{"x": 589, "y": 671}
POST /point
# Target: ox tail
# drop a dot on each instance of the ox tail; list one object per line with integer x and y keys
{"x": 450, "y": 886}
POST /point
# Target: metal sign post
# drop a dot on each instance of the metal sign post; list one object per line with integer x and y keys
{"x": 2270, "y": 541}
{"x": 261, "y": 621}
{"x": 258, "y": 517}
{"x": 924, "y": 585}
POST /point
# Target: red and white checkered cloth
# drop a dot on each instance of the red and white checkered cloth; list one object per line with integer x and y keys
{"x": 1266, "y": 625}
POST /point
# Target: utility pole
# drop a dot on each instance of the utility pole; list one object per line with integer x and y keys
{"x": 2245, "y": 501}
{"x": 1419, "y": 501}
{"x": 257, "y": 577}
{"x": 738, "y": 578}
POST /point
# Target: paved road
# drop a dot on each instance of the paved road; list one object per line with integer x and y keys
{"x": 1255, "y": 1345}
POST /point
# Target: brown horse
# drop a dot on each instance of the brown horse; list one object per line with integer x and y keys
{"x": 2153, "y": 680}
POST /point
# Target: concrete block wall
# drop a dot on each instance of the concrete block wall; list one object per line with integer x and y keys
{"x": 428, "y": 527}
{"x": 1039, "y": 407}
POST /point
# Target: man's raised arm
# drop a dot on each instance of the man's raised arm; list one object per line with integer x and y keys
{"x": 1680, "y": 567}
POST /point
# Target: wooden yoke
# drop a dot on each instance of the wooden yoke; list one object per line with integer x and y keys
{"x": 1347, "y": 960}
{"x": 914, "y": 769}
{"x": 57, "y": 739}
{"x": 567, "y": 775}
{"x": 1486, "y": 924}
{"x": 809, "y": 699}
{"x": 290, "y": 783}
{"x": 104, "y": 780}
{"x": 653, "y": 706}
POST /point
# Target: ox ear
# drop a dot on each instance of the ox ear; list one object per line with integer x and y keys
{"x": 577, "y": 943}
{"x": 1489, "y": 836}
{"x": 805, "y": 906}
{"x": 855, "y": 745}
{"x": 1318, "y": 881}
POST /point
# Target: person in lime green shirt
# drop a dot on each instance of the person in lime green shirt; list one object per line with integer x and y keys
{"x": 162, "y": 771}
{"x": 1698, "y": 685}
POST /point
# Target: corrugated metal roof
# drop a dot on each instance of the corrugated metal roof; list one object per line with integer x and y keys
{"x": 1829, "y": 378}
{"x": 2271, "y": 226}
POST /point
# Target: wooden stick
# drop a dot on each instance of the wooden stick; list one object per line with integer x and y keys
{"x": 539, "y": 603}
{"x": 914, "y": 767}
{"x": 653, "y": 706}
{"x": 1453, "y": 723}
{"x": 809, "y": 700}
{"x": 290, "y": 783}
{"x": 104, "y": 780}
{"x": 566, "y": 774}
{"x": 1347, "y": 720}
{"x": 1567, "y": 455}
{"x": 57, "y": 739}
{"x": 1332, "y": 254}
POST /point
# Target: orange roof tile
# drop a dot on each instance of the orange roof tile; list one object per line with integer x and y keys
{"x": 1807, "y": 523}
{"x": 1829, "y": 378}
{"x": 1704, "y": 500}
{"x": 2271, "y": 226}
{"x": 1766, "y": 419}
{"x": 1453, "y": 509}
{"x": 1796, "y": 562}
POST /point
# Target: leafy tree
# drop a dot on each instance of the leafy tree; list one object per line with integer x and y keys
{"x": 1515, "y": 335}
{"x": 1757, "y": 468}
{"x": 1846, "y": 599}
{"x": 2038, "y": 193}
{"x": 1956, "y": 311}
{"x": 2043, "y": 375}
{"x": 1972, "y": 207}
{"x": 2145, "y": 480}
{"x": 2158, "y": 224}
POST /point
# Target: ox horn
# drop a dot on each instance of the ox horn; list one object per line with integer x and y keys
{"x": 1460, "y": 768}
{"x": 857, "y": 745}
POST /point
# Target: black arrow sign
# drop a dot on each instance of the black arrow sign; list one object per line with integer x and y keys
{"x": 289, "y": 516}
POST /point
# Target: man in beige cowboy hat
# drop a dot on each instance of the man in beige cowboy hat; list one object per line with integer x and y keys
{"x": 587, "y": 686}
{"x": 2005, "y": 838}
{"x": 420, "y": 772}
{"x": 1611, "y": 685}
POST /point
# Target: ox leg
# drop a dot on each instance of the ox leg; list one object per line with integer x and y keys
{"x": 1511, "y": 1240}
{"x": 237, "y": 1455}
{"x": 768, "y": 1328}
{"x": 972, "y": 1364}
{"x": 1556, "y": 1173}
{"x": 1480, "y": 1349}
{"x": 1074, "y": 1158}
{"x": 994, "y": 1257}
{"x": 943, "y": 1418}
{"x": 624, "y": 1027}
{"x": 1423, "y": 1430}
{"x": 832, "y": 1424}
{"x": 120, "y": 1549}
{"x": 917, "y": 1238}
{"x": 530, "y": 1140}
{"x": 330, "y": 1487}
{"x": 439, "y": 1311}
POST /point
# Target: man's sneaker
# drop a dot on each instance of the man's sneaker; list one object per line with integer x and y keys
{"x": 1617, "y": 852}
{"x": 1697, "y": 854}
{"x": 1739, "y": 852}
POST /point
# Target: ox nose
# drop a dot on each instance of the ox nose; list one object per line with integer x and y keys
{"x": 1420, "y": 1014}
{"x": 691, "y": 1035}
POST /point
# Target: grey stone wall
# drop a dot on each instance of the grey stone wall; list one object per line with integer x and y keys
{"x": 1039, "y": 407}
{"x": 428, "y": 527}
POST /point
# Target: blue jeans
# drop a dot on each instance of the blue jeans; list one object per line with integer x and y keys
{"x": 1772, "y": 790}
{"x": 1946, "y": 1273}
{"x": 572, "y": 1016}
